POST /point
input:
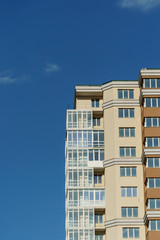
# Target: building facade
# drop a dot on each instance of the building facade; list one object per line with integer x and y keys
{"x": 112, "y": 152}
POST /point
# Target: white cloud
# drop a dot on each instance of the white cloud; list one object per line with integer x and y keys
{"x": 9, "y": 77}
{"x": 144, "y": 5}
{"x": 50, "y": 67}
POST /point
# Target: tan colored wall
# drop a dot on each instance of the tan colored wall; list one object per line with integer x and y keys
{"x": 85, "y": 103}
{"x": 115, "y": 233}
{"x": 112, "y": 93}
{"x": 112, "y": 139}
{"x": 114, "y": 201}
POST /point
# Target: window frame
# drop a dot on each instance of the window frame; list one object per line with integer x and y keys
{"x": 123, "y": 129}
{"x": 125, "y": 171}
{"x": 95, "y": 103}
{"x": 125, "y": 91}
{"x": 127, "y": 212}
{"x": 126, "y": 113}
{"x": 125, "y": 191}
{"x": 127, "y": 150}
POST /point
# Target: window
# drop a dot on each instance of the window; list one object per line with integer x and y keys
{"x": 125, "y": 94}
{"x": 80, "y": 234}
{"x": 98, "y": 237}
{"x": 96, "y": 154}
{"x": 127, "y": 151}
{"x": 86, "y": 197}
{"x": 152, "y": 102}
{"x": 128, "y": 191}
{"x": 152, "y": 122}
{"x": 154, "y": 225}
{"x": 80, "y": 177}
{"x": 153, "y": 162}
{"x": 79, "y": 119}
{"x": 153, "y": 203}
{"x": 77, "y": 158}
{"x": 85, "y": 138}
{"x": 130, "y": 232}
{"x": 96, "y": 122}
{"x": 126, "y": 132}
{"x": 126, "y": 112}
{"x": 153, "y": 182}
{"x": 152, "y": 142}
{"x": 98, "y": 218}
{"x": 128, "y": 171}
{"x": 129, "y": 211}
{"x": 95, "y": 103}
{"x": 151, "y": 83}
{"x": 97, "y": 179}
{"x": 98, "y": 138}
{"x": 81, "y": 217}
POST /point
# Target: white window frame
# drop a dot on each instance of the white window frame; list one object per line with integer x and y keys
{"x": 81, "y": 194}
{"x": 131, "y": 173}
{"x": 124, "y": 131}
{"x": 96, "y": 119}
{"x": 94, "y": 103}
{"x": 149, "y": 203}
{"x": 127, "y": 210}
{"x": 83, "y": 218}
{"x": 129, "y": 112}
{"x": 98, "y": 218}
{"x": 153, "y": 159}
{"x": 128, "y": 93}
{"x": 156, "y": 221}
{"x": 152, "y": 140}
{"x": 150, "y": 79}
{"x": 84, "y": 119}
{"x": 154, "y": 181}
{"x": 151, "y": 101}
{"x": 127, "y": 229}
{"x": 152, "y": 119}
{"x": 84, "y": 177}
{"x": 125, "y": 151}
{"x": 125, "y": 191}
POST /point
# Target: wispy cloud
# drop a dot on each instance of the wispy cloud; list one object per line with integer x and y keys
{"x": 144, "y": 5}
{"x": 8, "y": 77}
{"x": 51, "y": 67}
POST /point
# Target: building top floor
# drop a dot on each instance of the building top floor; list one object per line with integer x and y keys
{"x": 93, "y": 96}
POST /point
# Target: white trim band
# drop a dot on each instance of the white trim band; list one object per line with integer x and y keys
{"x": 124, "y": 222}
{"x": 120, "y": 84}
{"x": 150, "y": 152}
{"x": 120, "y": 103}
{"x": 88, "y": 89}
{"x": 148, "y": 92}
{"x": 122, "y": 161}
{"x": 151, "y": 214}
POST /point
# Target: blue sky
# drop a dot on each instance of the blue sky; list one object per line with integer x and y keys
{"x": 46, "y": 48}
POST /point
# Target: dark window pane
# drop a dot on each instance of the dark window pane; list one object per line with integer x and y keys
{"x": 120, "y": 94}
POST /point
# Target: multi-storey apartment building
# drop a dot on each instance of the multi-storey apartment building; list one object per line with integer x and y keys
{"x": 113, "y": 160}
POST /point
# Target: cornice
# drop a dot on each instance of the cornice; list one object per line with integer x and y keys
{"x": 122, "y": 161}
{"x": 120, "y": 84}
{"x": 119, "y": 102}
{"x": 150, "y": 151}
{"x": 151, "y": 91}
{"x": 148, "y": 72}
{"x": 124, "y": 222}
{"x": 88, "y": 89}
{"x": 151, "y": 214}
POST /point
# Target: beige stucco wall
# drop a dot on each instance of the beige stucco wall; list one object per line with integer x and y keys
{"x": 85, "y": 103}
{"x": 114, "y": 201}
{"x": 112, "y": 93}
{"x": 115, "y": 233}
{"x": 113, "y": 181}
{"x": 111, "y": 128}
